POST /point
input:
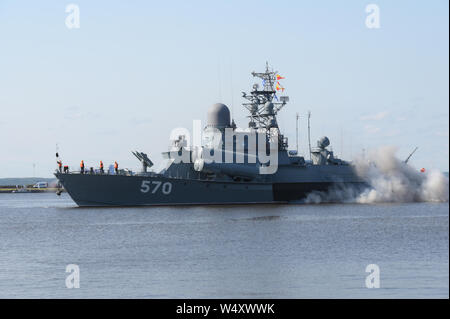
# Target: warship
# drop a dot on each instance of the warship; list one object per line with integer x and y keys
{"x": 227, "y": 165}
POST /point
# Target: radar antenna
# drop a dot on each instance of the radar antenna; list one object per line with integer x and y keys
{"x": 264, "y": 104}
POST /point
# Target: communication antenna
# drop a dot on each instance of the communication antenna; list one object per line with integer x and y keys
{"x": 231, "y": 88}
{"x": 296, "y": 130}
{"x": 411, "y": 154}
{"x": 220, "y": 84}
{"x": 351, "y": 147}
{"x": 309, "y": 135}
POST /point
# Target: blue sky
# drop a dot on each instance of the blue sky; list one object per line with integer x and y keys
{"x": 135, "y": 70}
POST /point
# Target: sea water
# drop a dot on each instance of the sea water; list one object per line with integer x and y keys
{"x": 255, "y": 251}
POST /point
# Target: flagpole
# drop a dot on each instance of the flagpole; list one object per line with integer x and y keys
{"x": 309, "y": 135}
{"x": 296, "y": 130}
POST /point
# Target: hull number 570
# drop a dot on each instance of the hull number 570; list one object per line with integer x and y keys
{"x": 155, "y": 186}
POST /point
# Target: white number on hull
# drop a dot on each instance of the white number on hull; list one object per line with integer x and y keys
{"x": 166, "y": 187}
{"x": 158, "y": 184}
{"x": 144, "y": 187}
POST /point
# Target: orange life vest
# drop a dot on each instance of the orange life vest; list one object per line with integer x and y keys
{"x": 82, "y": 164}
{"x": 101, "y": 164}
{"x": 116, "y": 165}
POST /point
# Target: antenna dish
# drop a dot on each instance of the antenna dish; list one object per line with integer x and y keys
{"x": 218, "y": 116}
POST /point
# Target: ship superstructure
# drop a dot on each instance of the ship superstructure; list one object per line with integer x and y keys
{"x": 231, "y": 166}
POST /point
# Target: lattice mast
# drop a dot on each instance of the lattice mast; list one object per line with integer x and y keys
{"x": 262, "y": 107}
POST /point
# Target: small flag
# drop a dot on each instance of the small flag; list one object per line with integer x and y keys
{"x": 275, "y": 96}
{"x": 279, "y": 77}
{"x": 279, "y": 87}
{"x": 263, "y": 83}
{"x": 422, "y": 170}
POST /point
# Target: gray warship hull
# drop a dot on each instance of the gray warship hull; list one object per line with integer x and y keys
{"x": 142, "y": 190}
{"x": 229, "y": 166}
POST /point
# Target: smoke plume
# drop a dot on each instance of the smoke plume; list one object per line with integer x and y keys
{"x": 390, "y": 180}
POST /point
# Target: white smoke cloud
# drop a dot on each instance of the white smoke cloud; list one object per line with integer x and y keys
{"x": 390, "y": 180}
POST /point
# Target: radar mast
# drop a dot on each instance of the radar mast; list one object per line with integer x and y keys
{"x": 261, "y": 105}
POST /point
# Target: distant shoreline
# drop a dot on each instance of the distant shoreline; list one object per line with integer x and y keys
{"x": 28, "y": 190}
{"x": 20, "y": 181}
{"x": 25, "y": 185}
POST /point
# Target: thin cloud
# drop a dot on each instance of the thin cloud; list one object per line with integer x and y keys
{"x": 392, "y": 133}
{"x": 371, "y": 129}
{"x": 443, "y": 133}
{"x": 375, "y": 117}
{"x": 76, "y": 113}
{"x": 140, "y": 120}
